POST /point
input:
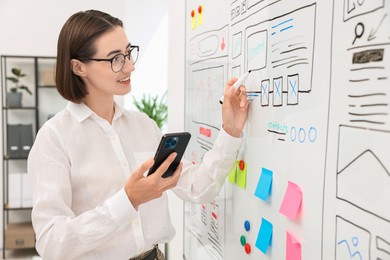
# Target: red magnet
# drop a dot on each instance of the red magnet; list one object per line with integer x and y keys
{"x": 200, "y": 9}
{"x": 242, "y": 165}
{"x": 192, "y": 13}
{"x": 247, "y": 248}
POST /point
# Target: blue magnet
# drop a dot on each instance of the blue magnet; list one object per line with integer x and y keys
{"x": 247, "y": 225}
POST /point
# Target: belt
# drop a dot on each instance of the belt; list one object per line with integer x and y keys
{"x": 148, "y": 255}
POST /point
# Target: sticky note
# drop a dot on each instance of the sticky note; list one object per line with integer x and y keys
{"x": 193, "y": 19}
{"x": 263, "y": 188}
{"x": 293, "y": 247}
{"x": 200, "y": 15}
{"x": 264, "y": 236}
{"x": 241, "y": 176}
{"x": 233, "y": 174}
{"x": 292, "y": 201}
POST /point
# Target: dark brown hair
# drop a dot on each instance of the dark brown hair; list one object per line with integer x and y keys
{"x": 76, "y": 41}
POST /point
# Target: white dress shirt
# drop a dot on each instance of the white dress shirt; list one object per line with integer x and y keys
{"x": 77, "y": 168}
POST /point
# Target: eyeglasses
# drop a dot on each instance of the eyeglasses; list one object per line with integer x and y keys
{"x": 118, "y": 61}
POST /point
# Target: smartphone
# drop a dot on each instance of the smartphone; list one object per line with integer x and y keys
{"x": 171, "y": 142}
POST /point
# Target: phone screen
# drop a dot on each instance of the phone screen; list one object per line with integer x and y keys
{"x": 172, "y": 142}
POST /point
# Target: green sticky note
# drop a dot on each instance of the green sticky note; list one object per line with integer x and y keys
{"x": 241, "y": 177}
{"x": 233, "y": 174}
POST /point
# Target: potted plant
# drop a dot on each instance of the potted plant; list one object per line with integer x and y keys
{"x": 14, "y": 97}
{"x": 154, "y": 108}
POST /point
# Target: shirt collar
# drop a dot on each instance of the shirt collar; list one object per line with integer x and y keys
{"x": 81, "y": 111}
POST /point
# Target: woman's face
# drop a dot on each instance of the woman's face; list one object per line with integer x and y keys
{"x": 99, "y": 78}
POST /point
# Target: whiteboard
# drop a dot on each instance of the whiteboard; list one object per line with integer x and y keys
{"x": 314, "y": 177}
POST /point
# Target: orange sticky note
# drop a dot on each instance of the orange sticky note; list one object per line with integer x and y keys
{"x": 292, "y": 201}
{"x": 293, "y": 248}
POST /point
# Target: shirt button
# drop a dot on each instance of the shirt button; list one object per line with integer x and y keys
{"x": 136, "y": 221}
{"x": 124, "y": 164}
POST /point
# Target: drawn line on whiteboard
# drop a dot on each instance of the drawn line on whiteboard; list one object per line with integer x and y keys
{"x": 287, "y": 40}
{"x": 291, "y": 61}
{"x": 213, "y": 239}
{"x": 368, "y": 114}
{"x": 367, "y": 95}
{"x": 289, "y": 20}
{"x": 381, "y": 78}
{"x": 366, "y": 121}
{"x": 372, "y": 36}
{"x": 296, "y": 64}
{"x": 264, "y": 7}
{"x": 276, "y": 49}
{"x": 352, "y": 255}
{"x": 295, "y": 49}
{"x": 276, "y": 132}
{"x": 286, "y": 28}
{"x": 203, "y": 140}
{"x": 205, "y": 146}
{"x": 280, "y": 139}
{"x": 358, "y": 80}
{"x": 352, "y": 105}
{"x": 292, "y": 57}
{"x": 381, "y": 243}
{"x": 369, "y": 68}
{"x": 375, "y": 105}
{"x": 295, "y": 44}
{"x": 216, "y": 244}
{"x": 368, "y": 45}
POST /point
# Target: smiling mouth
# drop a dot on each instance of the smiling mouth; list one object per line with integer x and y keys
{"x": 124, "y": 80}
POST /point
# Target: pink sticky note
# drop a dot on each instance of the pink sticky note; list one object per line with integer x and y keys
{"x": 293, "y": 248}
{"x": 292, "y": 201}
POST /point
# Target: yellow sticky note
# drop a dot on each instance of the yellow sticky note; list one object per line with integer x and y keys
{"x": 193, "y": 19}
{"x": 233, "y": 174}
{"x": 241, "y": 174}
{"x": 200, "y": 15}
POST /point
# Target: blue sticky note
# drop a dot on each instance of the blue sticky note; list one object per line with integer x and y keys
{"x": 265, "y": 235}
{"x": 263, "y": 188}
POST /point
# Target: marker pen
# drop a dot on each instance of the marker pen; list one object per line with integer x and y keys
{"x": 238, "y": 83}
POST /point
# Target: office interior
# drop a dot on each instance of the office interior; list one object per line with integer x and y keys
{"x": 31, "y": 28}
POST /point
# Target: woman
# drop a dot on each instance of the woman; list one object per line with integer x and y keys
{"x": 91, "y": 199}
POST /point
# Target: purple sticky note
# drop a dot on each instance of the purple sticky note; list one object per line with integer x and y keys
{"x": 292, "y": 201}
{"x": 263, "y": 188}
{"x": 293, "y": 248}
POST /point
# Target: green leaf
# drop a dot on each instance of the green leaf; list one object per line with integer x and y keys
{"x": 156, "y": 109}
{"x": 13, "y": 79}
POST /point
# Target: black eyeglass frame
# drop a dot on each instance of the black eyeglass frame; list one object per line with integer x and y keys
{"x": 128, "y": 55}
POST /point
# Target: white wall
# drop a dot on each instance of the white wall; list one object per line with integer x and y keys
{"x": 32, "y": 28}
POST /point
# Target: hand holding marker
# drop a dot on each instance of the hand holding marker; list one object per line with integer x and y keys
{"x": 238, "y": 83}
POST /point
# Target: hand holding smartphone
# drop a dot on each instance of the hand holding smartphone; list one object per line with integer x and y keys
{"x": 172, "y": 142}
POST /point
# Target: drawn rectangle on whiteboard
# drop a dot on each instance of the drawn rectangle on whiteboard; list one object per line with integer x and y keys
{"x": 257, "y": 50}
{"x": 363, "y": 169}
{"x": 265, "y": 92}
{"x": 208, "y": 85}
{"x": 236, "y": 45}
{"x": 278, "y": 91}
{"x": 290, "y": 44}
{"x": 353, "y": 8}
{"x": 292, "y": 89}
